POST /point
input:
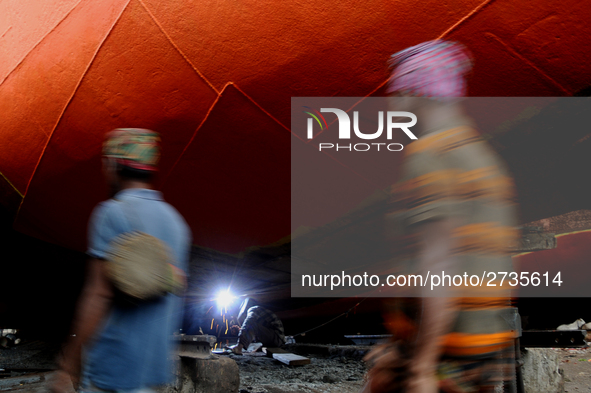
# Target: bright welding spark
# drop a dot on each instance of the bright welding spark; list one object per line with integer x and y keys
{"x": 224, "y": 299}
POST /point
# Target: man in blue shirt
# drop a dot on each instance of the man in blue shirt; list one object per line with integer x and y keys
{"x": 127, "y": 348}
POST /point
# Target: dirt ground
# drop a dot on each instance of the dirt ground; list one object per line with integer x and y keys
{"x": 328, "y": 374}
{"x": 576, "y": 364}
{"x": 324, "y": 374}
{"x": 332, "y": 374}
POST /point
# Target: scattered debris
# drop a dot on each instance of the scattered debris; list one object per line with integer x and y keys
{"x": 576, "y": 373}
{"x": 329, "y": 371}
{"x": 8, "y": 338}
{"x": 576, "y": 325}
{"x": 272, "y": 351}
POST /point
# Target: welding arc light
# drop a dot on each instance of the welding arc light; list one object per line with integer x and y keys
{"x": 224, "y": 299}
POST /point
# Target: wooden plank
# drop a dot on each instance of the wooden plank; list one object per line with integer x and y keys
{"x": 291, "y": 359}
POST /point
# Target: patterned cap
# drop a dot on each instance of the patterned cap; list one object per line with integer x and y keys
{"x": 431, "y": 69}
{"x": 134, "y": 148}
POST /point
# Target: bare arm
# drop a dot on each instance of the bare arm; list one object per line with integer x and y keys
{"x": 91, "y": 310}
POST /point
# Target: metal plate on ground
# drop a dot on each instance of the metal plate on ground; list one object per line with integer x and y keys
{"x": 291, "y": 359}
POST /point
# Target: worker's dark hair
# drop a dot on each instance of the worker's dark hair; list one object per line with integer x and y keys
{"x": 135, "y": 174}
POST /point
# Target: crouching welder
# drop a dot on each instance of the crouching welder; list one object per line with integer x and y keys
{"x": 260, "y": 323}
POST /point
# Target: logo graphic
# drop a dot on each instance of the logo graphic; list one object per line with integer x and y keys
{"x": 310, "y": 124}
{"x": 393, "y": 120}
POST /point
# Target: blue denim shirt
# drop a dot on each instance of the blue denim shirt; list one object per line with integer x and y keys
{"x": 133, "y": 348}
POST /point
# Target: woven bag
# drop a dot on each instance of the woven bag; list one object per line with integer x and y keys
{"x": 139, "y": 265}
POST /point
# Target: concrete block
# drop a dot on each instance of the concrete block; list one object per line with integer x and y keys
{"x": 214, "y": 374}
{"x": 196, "y": 346}
{"x": 541, "y": 371}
